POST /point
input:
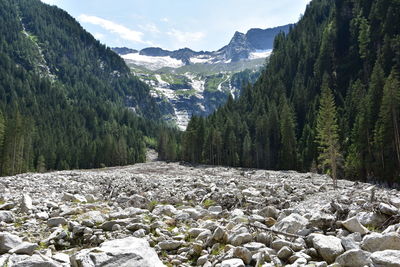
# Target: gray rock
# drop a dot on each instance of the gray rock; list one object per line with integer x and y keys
{"x": 329, "y": 247}
{"x": 62, "y": 257}
{"x": 395, "y": 201}
{"x": 202, "y": 260}
{"x": 125, "y": 252}
{"x": 26, "y": 204}
{"x": 377, "y": 242}
{"x": 388, "y": 209}
{"x": 232, "y": 263}
{"x": 240, "y": 239}
{"x": 56, "y": 221}
{"x": 139, "y": 201}
{"x": 353, "y": 225}
{"x": 6, "y": 216}
{"x": 269, "y": 211}
{"x": 371, "y": 219}
{"x": 351, "y": 241}
{"x": 242, "y": 253}
{"x": 284, "y": 253}
{"x": 168, "y": 210}
{"x": 108, "y": 226}
{"x": 37, "y": 260}
{"x": 24, "y": 248}
{"x": 8, "y": 241}
{"x": 215, "y": 209}
{"x": 291, "y": 224}
{"x": 220, "y": 235}
{"x": 254, "y": 246}
{"x": 322, "y": 220}
{"x": 386, "y": 258}
{"x": 354, "y": 258}
{"x": 170, "y": 244}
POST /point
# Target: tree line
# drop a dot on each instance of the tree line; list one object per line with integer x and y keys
{"x": 328, "y": 100}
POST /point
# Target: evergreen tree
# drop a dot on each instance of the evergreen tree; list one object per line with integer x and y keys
{"x": 327, "y": 134}
{"x": 288, "y": 154}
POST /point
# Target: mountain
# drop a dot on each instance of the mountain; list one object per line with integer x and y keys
{"x": 328, "y": 101}
{"x": 66, "y": 101}
{"x": 187, "y": 83}
{"x": 256, "y": 43}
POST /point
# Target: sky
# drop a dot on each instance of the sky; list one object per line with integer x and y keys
{"x": 172, "y": 24}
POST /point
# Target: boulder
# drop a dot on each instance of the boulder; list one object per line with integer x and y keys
{"x": 386, "y": 258}
{"x": 124, "y": 252}
{"x": 371, "y": 219}
{"x": 291, "y": 224}
{"x": 24, "y": 248}
{"x": 388, "y": 209}
{"x": 37, "y": 260}
{"x": 329, "y": 247}
{"x": 240, "y": 239}
{"x": 242, "y": 253}
{"x": 56, "y": 221}
{"x": 170, "y": 244}
{"x": 354, "y": 226}
{"x": 377, "y": 242}
{"x": 26, "y": 204}
{"x": 354, "y": 258}
{"x": 8, "y": 241}
{"x": 6, "y": 216}
{"x": 232, "y": 263}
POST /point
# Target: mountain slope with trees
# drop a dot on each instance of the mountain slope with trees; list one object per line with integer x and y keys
{"x": 64, "y": 96}
{"x": 348, "y": 47}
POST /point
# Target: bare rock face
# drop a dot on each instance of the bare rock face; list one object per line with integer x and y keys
{"x": 158, "y": 213}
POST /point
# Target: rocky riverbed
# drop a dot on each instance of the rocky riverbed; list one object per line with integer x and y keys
{"x": 158, "y": 213}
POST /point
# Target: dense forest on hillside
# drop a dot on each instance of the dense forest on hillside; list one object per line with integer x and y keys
{"x": 350, "y": 51}
{"x": 63, "y": 95}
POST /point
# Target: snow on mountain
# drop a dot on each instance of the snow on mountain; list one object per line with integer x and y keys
{"x": 260, "y": 54}
{"x": 153, "y": 62}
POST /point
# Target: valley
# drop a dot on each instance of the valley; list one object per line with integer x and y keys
{"x": 187, "y": 83}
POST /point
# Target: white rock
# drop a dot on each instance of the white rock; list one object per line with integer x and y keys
{"x": 42, "y": 215}
{"x": 353, "y": 225}
{"x": 129, "y": 251}
{"x": 26, "y": 203}
{"x": 24, "y": 248}
{"x": 329, "y": 247}
{"x": 240, "y": 239}
{"x": 377, "y": 242}
{"x": 8, "y": 241}
{"x": 354, "y": 258}
{"x": 232, "y": 263}
{"x": 388, "y": 209}
{"x": 291, "y": 224}
{"x": 371, "y": 219}
{"x": 386, "y": 258}
{"x": 395, "y": 201}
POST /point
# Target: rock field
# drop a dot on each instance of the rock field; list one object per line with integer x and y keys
{"x": 158, "y": 213}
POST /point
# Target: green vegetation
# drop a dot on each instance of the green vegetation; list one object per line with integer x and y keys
{"x": 208, "y": 203}
{"x": 76, "y": 115}
{"x": 286, "y": 120}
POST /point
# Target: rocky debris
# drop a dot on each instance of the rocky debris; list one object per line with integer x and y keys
{"x": 167, "y": 213}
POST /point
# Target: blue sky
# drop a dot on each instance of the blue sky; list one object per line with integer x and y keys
{"x": 173, "y": 24}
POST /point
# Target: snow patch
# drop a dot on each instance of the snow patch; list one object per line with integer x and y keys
{"x": 153, "y": 63}
{"x": 200, "y": 60}
{"x": 260, "y": 54}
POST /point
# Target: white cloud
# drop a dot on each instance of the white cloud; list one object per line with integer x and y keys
{"x": 166, "y": 20}
{"x": 122, "y": 31}
{"x": 186, "y": 38}
{"x": 150, "y": 27}
{"x": 50, "y": 2}
{"x": 98, "y": 36}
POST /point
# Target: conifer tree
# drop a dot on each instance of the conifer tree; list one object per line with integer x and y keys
{"x": 288, "y": 138}
{"x": 327, "y": 133}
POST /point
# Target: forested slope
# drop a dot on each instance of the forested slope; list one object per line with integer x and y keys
{"x": 63, "y": 95}
{"x": 350, "y": 49}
